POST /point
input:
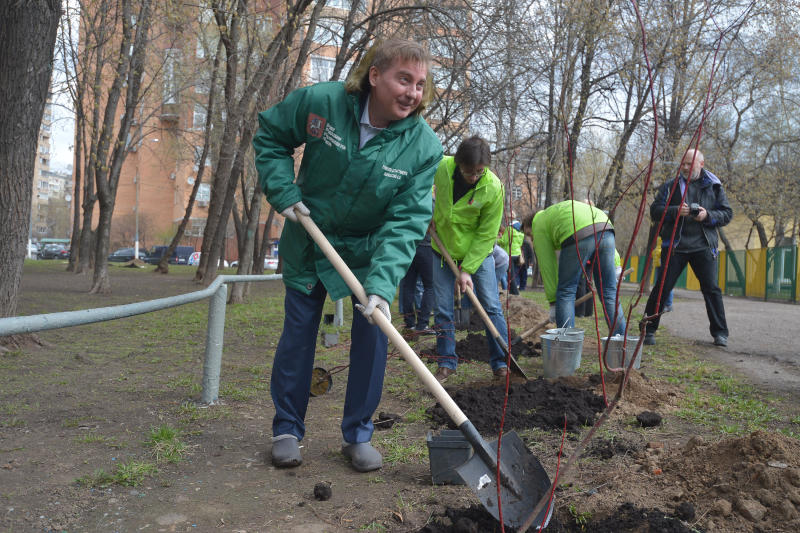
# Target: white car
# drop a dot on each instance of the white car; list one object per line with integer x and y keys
{"x": 270, "y": 263}
{"x": 194, "y": 260}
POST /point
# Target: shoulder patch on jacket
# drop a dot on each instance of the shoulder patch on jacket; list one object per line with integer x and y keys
{"x": 315, "y": 125}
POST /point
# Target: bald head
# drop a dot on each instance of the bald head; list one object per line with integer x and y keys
{"x": 692, "y": 163}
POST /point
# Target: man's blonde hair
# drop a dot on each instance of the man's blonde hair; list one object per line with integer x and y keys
{"x": 382, "y": 55}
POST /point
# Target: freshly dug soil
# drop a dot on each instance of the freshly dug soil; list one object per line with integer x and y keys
{"x": 475, "y": 347}
{"x": 627, "y": 519}
{"x": 537, "y": 403}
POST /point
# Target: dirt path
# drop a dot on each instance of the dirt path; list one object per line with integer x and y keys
{"x": 763, "y": 343}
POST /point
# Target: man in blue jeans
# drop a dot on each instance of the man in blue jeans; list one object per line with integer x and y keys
{"x": 560, "y": 227}
{"x": 469, "y": 206}
{"x": 365, "y": 180}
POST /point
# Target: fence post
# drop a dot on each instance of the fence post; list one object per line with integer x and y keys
{"x": 214, "y": 341}
{"x": 338, "y": 317}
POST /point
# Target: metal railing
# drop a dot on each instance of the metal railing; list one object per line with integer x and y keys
{"x": 217, "y": 292}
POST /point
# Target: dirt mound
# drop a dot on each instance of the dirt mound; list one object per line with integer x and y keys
{"x": 627, "y": 519}
{"x": 475, "y": 347}
{"x": 537, "y": 403}
{"x": 753, "y": 481}
{"x": 523, "y": 313}
{"x": 640, "y": 394}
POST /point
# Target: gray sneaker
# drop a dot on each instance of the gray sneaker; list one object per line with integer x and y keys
{"x": 363, "y": 456}
{"x": 720, "y": 340}
{"x": 650, "y": 339}
{"x": 286, "y": 451}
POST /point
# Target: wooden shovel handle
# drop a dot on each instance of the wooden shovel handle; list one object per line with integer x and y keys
{"x": 422, "y": 372}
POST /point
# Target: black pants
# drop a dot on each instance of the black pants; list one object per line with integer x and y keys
{"x": 421, "y": 267}
{"x": 513, "y": 278}
{"x": 704, "y": 265}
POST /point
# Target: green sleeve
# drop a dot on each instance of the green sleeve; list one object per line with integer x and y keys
{"x": 485, "y": 234}
{"x": 281, "y": 130}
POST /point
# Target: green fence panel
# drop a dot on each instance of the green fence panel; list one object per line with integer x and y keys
{"x": 734, "y": 285}
{"x": 781, "y": 267}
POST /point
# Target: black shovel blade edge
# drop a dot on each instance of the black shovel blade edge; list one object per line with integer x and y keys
{"x": 527, "y": 473}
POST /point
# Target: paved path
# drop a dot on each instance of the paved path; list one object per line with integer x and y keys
{"x": 764, "y": 341}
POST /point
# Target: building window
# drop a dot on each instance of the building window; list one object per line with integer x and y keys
{"x": 321, "y": 68}
{"x": 43, "y": 185}
{"x": 198, "y": 151}
{"x": 172, "y": 59}
{"x": 196, "y": 227}
{"x": 339, "y": 4}
{"x": 516, "y": 192}
{"x": 203, "y": 194}
{"x": 199, "y": 117}
{"x": 328, "y": 32}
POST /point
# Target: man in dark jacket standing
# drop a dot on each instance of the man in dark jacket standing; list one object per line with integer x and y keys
{"x": 692, "y": 206}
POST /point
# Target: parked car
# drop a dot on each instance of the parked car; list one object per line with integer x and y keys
{"x": 270, "y": 263}
{"x": 123, "y": 255}
{"x": 54, "y": 251}
{"x": 180, "y": 257}
{"x": 194, "y": 260}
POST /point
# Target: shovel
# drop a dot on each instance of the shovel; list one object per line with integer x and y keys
{"x": 462, "y": 315}
{"x": 523, "y": 480}
{"x": 474, "y": 299}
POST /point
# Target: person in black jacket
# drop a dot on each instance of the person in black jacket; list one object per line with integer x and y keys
{"x": 698, "y": 202}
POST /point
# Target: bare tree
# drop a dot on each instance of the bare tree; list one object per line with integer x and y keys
{"x": 27, "y": 40}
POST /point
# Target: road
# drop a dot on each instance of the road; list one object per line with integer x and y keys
{"x": 763, "y": 343}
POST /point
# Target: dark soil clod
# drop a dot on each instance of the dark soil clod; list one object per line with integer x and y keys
{"x": 685, "y": 511}
{"x": 322, "y": 491}
{"x": 386, "y": 420}
{"x": 649, "y": 419}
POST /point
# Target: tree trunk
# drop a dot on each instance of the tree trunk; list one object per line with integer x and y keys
{"x": 246, "y": 248}
{"x": 27, "y": 40}
{"x": 264, "y": 245}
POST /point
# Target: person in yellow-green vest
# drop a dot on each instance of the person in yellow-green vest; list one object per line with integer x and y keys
{"x": 510, "y": 239}
{"x": 582, "y": 233}
{"x": 469, "y": 206}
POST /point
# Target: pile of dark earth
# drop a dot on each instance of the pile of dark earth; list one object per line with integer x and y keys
{"x": 627, "y": 519}
{"x": 475, "y": 347}
{"x": 536, "y": 403}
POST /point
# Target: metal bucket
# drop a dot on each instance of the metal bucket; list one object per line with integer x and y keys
{"x": 566, "y": 331}
{"x": 561, "y": 354}
{"x": 614, "y": 355}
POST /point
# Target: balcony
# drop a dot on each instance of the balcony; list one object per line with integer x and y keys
{"x": 170, "y": 112}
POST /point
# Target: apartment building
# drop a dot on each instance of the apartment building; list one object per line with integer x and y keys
{"x": 51, "y": 201}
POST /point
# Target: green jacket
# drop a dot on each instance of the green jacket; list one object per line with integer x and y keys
{"x": 373, "y": 204}
{"x": 551, "y": 227}
{"x": 468, "y": 228}
{"x": 516, "y": 242}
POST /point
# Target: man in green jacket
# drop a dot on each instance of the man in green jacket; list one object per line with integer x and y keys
{"x": 469, "y": 206}
{"x": 582, "y": 233}
{"x": 365, "y": 179}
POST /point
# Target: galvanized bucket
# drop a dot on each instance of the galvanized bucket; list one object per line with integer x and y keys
{"x": 566, "y": 331}
{"x": 619, "y": 357}
{"x": 561, "y": 354}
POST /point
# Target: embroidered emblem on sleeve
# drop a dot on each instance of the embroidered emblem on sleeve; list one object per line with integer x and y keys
{"x": 315, "y": 125}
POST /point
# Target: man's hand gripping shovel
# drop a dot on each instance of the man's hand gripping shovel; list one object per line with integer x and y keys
{"x": 523, "y": 480}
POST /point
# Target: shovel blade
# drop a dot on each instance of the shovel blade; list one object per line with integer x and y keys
{"x": 462, "y": 317}
{"x": 526, "y": 473}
